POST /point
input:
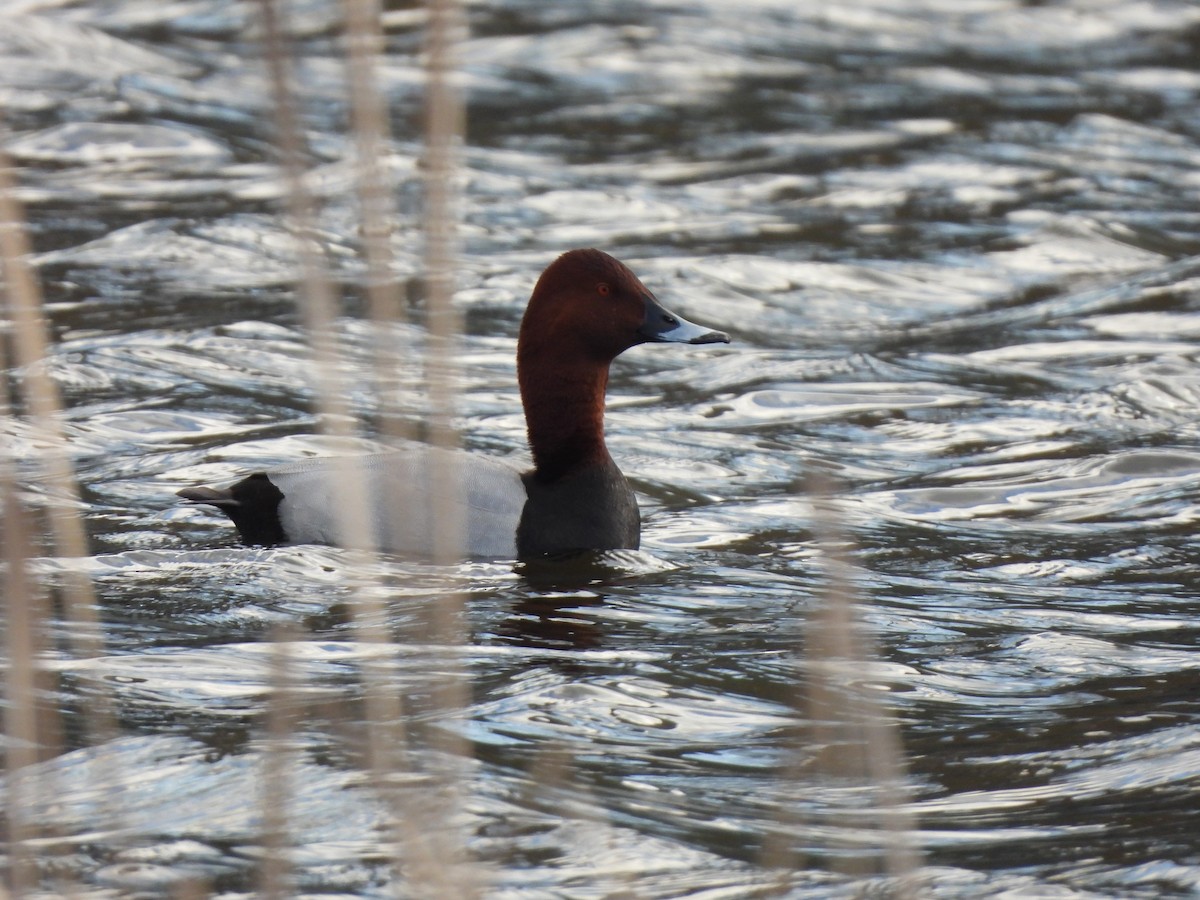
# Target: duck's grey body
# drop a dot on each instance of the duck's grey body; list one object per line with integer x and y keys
{"x": 314, "y": 502}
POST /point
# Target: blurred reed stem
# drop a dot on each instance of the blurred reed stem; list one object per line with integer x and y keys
{"x": 315, "y": 294}
{"x": 454, "y": 875}
{"x": 848, "y": 755}
{"x": 278, "y": 769}
{"x": 444, "y": 126}
{"x": 434, "y": 858}
{"x": 319, "y": 310}
{"x": 377, "y": 209}
{"x": 23, "y": 729}
{"x": 33, "y": 731}
{"x": 30, "y": 340}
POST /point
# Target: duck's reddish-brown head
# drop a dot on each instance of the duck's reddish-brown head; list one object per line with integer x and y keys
{"x": 586, "y": 309}
{"x": 588, "y": 303}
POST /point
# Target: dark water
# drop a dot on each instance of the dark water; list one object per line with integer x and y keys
{"x": 956, "y": 245}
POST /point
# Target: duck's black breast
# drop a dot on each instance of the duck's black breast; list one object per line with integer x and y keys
{"x": 593, "y": 508}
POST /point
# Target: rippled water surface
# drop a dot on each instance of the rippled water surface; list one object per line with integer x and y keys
{"x": 957, "y": 246}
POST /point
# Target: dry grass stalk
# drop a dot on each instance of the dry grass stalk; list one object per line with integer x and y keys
{"x": 444, "y": 126}
{"x": 431, "y": 867}
{"x": 278, "y": 770}
{"x": 369, "y": 121}
{"x": 22, "y": 728}
{"x": 30, "y": 335}
{"x": 33, "y": 732}
{"x": 453, "y": 874}
{"x": 319, "y": 310}
{"x": 849, "y": 754}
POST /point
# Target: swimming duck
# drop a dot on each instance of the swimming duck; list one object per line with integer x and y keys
{"x": 586, "y": 309}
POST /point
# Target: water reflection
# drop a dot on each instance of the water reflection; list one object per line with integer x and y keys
{"x": 554, "y": 623}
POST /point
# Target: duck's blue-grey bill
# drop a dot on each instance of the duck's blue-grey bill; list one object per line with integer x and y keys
{"x": 663, "y": 325}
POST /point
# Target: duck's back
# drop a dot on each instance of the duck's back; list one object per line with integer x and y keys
{"x": 405, "y": 492}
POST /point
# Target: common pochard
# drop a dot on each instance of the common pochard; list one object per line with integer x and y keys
{"x": 586, "y": 309}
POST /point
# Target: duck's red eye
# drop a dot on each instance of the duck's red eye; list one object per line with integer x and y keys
{"x": 603, "y": 289}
